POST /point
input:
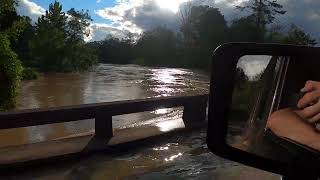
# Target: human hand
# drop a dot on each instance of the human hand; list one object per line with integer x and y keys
{"x": 309, "y": 103}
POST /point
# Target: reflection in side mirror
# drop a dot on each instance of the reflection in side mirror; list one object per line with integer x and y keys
{"x": 253, "y": 99}
{"x": 256, "y": 122}
{"x": 254, "y": 116}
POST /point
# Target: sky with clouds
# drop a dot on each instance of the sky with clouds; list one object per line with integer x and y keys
{"x": 120, "y": 17}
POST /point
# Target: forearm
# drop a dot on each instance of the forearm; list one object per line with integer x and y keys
{"x": 287, "y": 123}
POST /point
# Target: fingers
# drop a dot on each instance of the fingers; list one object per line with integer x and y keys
{"x": 299, "y": 113}
{"x": 309, "y": 86}
{"x": 314, "y": 119}
{"x": 310, "y": 111}
{"x": 309, "y": 98}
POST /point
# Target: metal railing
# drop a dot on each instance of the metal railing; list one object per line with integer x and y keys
{"x": 194, "y": 111}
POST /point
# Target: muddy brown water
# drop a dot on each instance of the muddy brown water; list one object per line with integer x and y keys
{"x": 185, "y": 156}
{"x": 104, "y": 83}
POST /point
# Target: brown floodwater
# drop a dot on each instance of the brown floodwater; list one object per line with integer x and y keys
{"x": 104, "y": 83}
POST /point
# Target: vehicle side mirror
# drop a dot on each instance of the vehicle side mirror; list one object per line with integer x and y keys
{"x": 253, "y": 114}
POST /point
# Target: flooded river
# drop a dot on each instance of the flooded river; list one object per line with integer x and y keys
{"x": 104, "y": 83}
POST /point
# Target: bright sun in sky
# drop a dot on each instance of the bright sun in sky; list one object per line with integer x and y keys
{"x": 172, "y": 5}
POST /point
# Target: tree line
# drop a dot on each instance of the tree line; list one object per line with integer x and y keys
{"x": 203, "y": 29}
{"x": 55, "y": 43}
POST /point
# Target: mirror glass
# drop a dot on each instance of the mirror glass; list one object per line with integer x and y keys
{"x": 264, "y": 116}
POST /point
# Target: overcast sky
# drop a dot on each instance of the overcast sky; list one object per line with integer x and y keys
{"x": 117, "y": 17}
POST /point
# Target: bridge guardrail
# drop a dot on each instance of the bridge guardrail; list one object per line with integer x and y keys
{"x": 194, "y": 110}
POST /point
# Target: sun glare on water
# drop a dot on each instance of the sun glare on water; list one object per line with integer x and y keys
{"x": 172, "y": 5}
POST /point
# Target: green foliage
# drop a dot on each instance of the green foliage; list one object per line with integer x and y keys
{"x": 299, "y": 37}
{"x": 21, "y": 44}
{"x": 29, "y": 74}
{"x": 113, "y": 50}
{"x": 157, "y": 47}
{"x": 243, "y": 30}
{"x": 203, "y": 28}
{"x": 77, "y": 24}
{"x": 48, "y": 44}
{"x": 10, "y": 73}
{"x": 7, "y": 14}
{"x": 11, "y": 25}
{"x": 58, "y": 43}
{"x": 275, "y": 35}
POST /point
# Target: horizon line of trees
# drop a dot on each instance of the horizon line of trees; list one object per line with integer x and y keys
{"x": 203, "y": 29}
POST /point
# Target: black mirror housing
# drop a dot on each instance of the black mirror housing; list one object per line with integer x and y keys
{"x": 224, "y": 62}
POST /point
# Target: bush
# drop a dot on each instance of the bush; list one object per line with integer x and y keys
{"x": 29, "y": 74}
{"x": 10, "y": 74}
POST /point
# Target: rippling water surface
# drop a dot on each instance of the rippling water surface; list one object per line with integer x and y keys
{"x": 104, "y": 83}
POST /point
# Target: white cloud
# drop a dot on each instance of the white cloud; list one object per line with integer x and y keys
{"x": 253, "y": 65}
{"x": 138, "y": 15}
{"x": 100, "y": 31}
{"x": 31, "y": 9}
{"x": 146, "y": 14}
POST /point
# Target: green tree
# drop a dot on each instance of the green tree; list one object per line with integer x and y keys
{"x": 114, "y": 50}
{"x": 77, "y": 24}
{"x": 10, "y": 66}
{"x": 157, "y": 47}
{"x": 299, "y": 37}
{"x": 10, "y": 73}
{"x": 243, "y": 30}
{"x": 264, "y": 13}
{"x": 204, "y": 28}
{"x": 80, "y": 57}
{"x": 58, "y": 43}
{"x": 48, "y": 44}
{"x": 275, "y": 34}
{"x": 21, "y": 44}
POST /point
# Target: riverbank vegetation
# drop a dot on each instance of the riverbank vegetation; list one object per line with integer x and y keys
{"x": 55, "y": 43}
{"x": 10, "y": 66}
